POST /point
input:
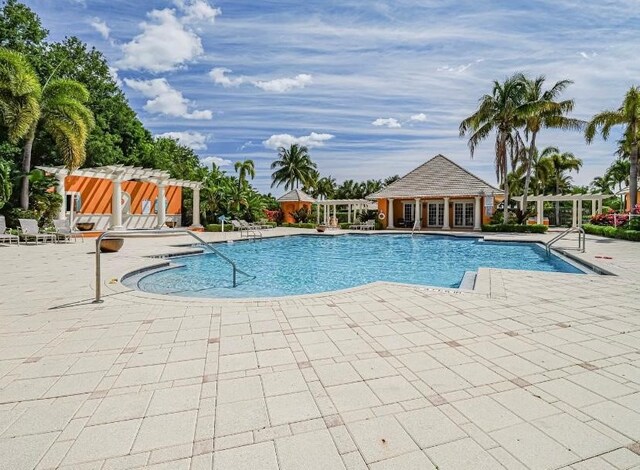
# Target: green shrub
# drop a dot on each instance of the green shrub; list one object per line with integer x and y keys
{"x": 217, "y": 228}
{"x": 514, "y": 228}
{"x": 612, "y": 232}
{"x": 345, "y": 226}
{"x": 300, "y": 225}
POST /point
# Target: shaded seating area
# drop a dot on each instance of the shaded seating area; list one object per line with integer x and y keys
{"x": 64, "y": 232}
{"x": 29, "y": 231}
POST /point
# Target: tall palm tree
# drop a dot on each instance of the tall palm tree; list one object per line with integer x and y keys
{"x": 497, "y": 112}
{"x": 66, "y": 118}
{"x": 244, "y": 168}
{"x": 602, "y": 184}
{"x": 20, "y": 94}
{"x": 619, "y": 171}
{"x": 542, "y": 173}
{"x": 561, "y": 163}
{"x": 325, "y": 187}
{"x": 542, "y": 110}
{"x": 391, "y": 179}
{"x": 293, "y": 167}
{"x": 627, "y": 115}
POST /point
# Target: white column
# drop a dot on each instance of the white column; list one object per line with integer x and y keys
{"x": 574, "y": 213}
{"x": 116, "y": 206}
{"x": 196, "y": 208}
{"x": 446, "y": 225}
{"x": 62, "y": 192}
{"x": 477, "y": 216}
{"x": 418, "y": 215}
{"x": 540, "y": 212}
{"x": 390, "y": 217}
{"x": 317, "y": 214}
{"x": 579, "y": 213}
{"x": 162, "y": 215}
{"x": 349, "y": 213}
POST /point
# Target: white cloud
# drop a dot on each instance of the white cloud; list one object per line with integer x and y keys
{"x": 167, "y": 40}
{"x": 420, "y": 117}
{"x": 195, "y": 140}
{"x": 281, "y": 85}
{"x": 220, "y": 78}
{"x": 285, "y": 140}
{"x": 391, "y": 123}
{"x": 217, "y": 161}
{"x": 197, "y": 11}
{"x": 114, "y": 74}
{"x": 101, "y": 27}
{"x": 588, "y": 56}
{"x": 164, "y": 99}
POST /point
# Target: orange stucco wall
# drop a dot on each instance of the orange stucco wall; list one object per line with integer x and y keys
{"x": 96, "y": 195}
{"x": 398, "y": 209}
{"x": 291, "y": 206}
{"x": 627, "y": 201}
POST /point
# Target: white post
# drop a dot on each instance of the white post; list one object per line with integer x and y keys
{"x": 418, "y": 216}
{"x": 162, "y": 215}
{"x": 446, "y": 225}
{"x": 196, "y": 207}
{"x": 477, "y": 216}
{"x": 390, "y": 223}
{"x": 61, "y": 190}
{"x": 116, "y": 206}
{"x": 317, "y": 214}
{"x": 574, "y": 213}
{"x": 540, "y": 212}
{"x": 579, "y": 214}
{"x": 349, "y": 213}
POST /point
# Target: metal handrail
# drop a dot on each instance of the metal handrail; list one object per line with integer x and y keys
{"x": 143, "y": 233}
{"x": 582, "y": 238}
{"x": 416, "y": 225}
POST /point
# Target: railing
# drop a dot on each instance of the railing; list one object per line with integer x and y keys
{"x": 145, "y": 233}
{"x": 416, "y": 226}
{"x": 582, "y": 239}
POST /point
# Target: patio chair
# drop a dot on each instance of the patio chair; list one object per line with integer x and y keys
{"x": 369, "y": 225}
{"x": 64, "y": 232}
{"x": 356, "y": 226}
{"x": 29, "y": 230}
{"x": 6, "y": 237}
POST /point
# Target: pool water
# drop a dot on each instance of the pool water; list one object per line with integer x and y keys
{"x": 309, "y": 264}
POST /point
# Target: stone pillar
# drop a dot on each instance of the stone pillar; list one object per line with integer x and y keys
{"x": 477, "y": 216}
{"x": 196, "y": 208}
{"x": 116, "y": 206}
{"x": 418, "y": 215}
{"x": 446, "y": 225}
{"x": 162, "y": 215}
{"x": 390, "y": 222}
{"x": 579, "y": 214}
{"x": 574, "y": 213}
{"x": 540, "y": 212}
{"x": 349, "y": 213}
{"x": 62, "y": 192}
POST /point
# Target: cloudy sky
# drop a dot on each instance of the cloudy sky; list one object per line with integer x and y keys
{"x": 372, "y": 87}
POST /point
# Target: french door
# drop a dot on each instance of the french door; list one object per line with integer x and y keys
{"x": 463, "y": 213}
{"x": 435, "y": 214}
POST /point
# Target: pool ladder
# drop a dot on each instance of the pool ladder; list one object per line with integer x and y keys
{"x": 582, "y": 239}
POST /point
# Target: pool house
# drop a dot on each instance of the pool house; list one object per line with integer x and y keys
{"x": 438, "y": 195}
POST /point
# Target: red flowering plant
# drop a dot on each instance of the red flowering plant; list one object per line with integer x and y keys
{"x": 273, "y": 216}
{"x": 614, "y": 219}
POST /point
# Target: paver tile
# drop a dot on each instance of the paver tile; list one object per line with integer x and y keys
{"x": 252, "y": 457}
{"x": 353, "y": 396}
{"x": 279, "y": 383}
{"x": 103, "y": 441}
{"x": 411, "y": 461}
{"x": 464, "y": 454}
{"x": 393, "y": 389}
{"x": 337, "y": 374}
{"x": 166, "y": 430}
{"x": 291, "y": 408}
{"x": 241, "y": 416}
{"x": 311, "y": 451}
{"x": 24, "y": 452}
{"x": 430, "y": 427}
{"x": 121, "y": 408}
{"x": 380, "y": 438}
{"x": 244, "y": 388}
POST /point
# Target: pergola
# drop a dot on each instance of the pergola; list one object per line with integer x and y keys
{"x": 354, "y": 206}
{"x": 576, "y": 200}
{"x": 120, "y": 173}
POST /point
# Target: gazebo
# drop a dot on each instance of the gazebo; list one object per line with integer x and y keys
{"x": 354, "y": 207}
{"x": 576, "y": 200}
{"x": 118, "y": 197}
{"x": 293, "y": 201}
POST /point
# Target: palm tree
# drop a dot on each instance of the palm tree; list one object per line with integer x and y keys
{"x": 293, "y": 167}
{"x": 542, "y": 173}
{"x": 602, "y": 184}
{"x": 497, "y": 112}
{"x": 244, "y": 168}
{"x": 561, "y": 164}
{"x": 391, "y": 179}
{"x": 325, "y": 187}
{"x": 542, "y": 110}
{"x": 618, "y": 172}
{"x": 627, "y": 115}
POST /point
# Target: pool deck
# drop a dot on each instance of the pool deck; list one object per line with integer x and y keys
{"x": 530, "y": 370}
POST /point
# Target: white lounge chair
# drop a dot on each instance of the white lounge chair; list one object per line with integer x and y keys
{"x": 29, "y": 230}
{"x": 64, "y": 231}
{"x": 369, "y": 225}
{"x": 6, "y": 237}
{"x": 245, "y": 229}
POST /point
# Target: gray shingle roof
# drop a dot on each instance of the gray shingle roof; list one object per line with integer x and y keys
{"x": 296, "y": 195}
{"x": 437, "y": 177}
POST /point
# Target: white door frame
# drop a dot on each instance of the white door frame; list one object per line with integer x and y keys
{"x": 464, "y": 203}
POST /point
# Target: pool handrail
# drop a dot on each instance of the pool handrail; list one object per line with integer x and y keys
{"x": 110, "y": 234}
{"x": 582, "y": 239}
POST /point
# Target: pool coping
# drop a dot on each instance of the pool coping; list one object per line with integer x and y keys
{"x": 477, "y": 288}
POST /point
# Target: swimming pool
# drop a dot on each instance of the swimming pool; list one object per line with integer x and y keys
{"x": 296, "y": 265}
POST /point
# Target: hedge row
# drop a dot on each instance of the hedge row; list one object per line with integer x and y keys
{"x": 300, "y": 225}
{"x": 228, "y": 227}
{"x": 536, "y": 228}
{"x": 612, "y": 232}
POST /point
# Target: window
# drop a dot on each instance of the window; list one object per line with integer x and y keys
{"x": 435, "y": 214}
{"x": 409, "y": 211}
{"x": 146, "y": 206}
{"x": 488, "y": 205}
{"x": 463, "y": 213}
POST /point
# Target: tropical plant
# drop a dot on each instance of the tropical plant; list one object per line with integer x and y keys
{"x": 618, "y": 172}
{"x": 301, "y": 215}
{"x": 6, "y": 187}
{"x": 244, "y": 168}
{"x": 561, "y": 164}
{"x": 293, "y": 167}
{"x": 497, "y": 112}
{"x": 627, "y": 115}
{"x": 602, "y": 184}
{"x": 542, "y": 110}
{"x": 325, "y": 188}
{"x": 391, "y": 179}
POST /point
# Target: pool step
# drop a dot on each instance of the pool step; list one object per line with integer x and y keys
{"x": 468, "y": 280}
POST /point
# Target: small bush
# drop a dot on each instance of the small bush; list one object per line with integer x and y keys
{"x": 514, "y": 228}
{"x": 218, "y": 228}
{"x": 612, "y": 232}
{"x": 300, "y": 225}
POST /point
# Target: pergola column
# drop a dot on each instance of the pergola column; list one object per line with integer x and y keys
{"x": 574, "y": 213}
{"x": 477, "y": 217}
{"x": 162, "y": 214}
{"x": 540, "y": 212}
{"x": 579, "y": 214}
{"x": 63, "y": 193}
{"x": 349, "y": 213}
{"x": 390, "y": 215}
{"x": 116, "y": 205}
{"x": 446, "y": 225}
{"x": 317, "y": 214}
{"x": 196, "y": 206}
{"x": 418, "y": 216}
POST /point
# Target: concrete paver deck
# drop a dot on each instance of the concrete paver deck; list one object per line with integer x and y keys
{"x": 530, "y": 370}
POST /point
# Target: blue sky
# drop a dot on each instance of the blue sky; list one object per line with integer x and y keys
{"x": 374, "y": 88}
